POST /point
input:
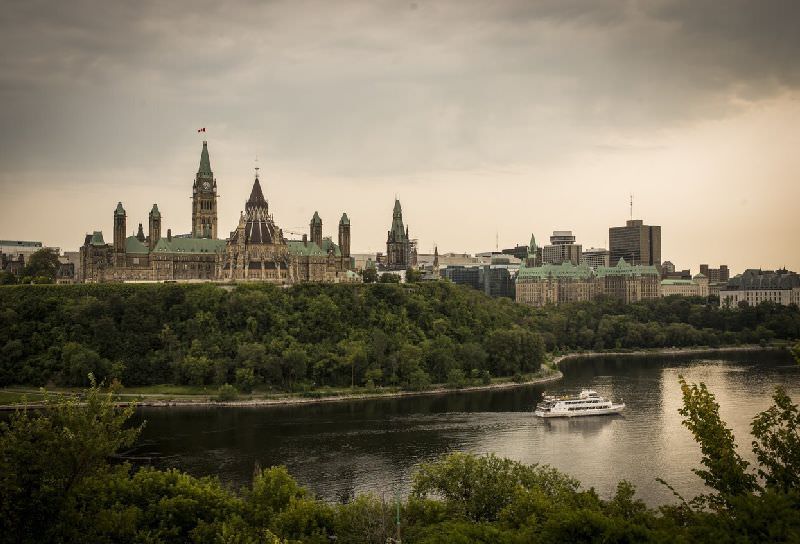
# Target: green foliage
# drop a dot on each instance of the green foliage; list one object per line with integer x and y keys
{"x": 413, "y": 275}
{"x": 46, "y": 455}
{"x": 369, "y": 275}
{"x": 226, "y": 393}
{"x": 777, "y": 443}
{"x": 388, "y": 277}
{"x": 42, "y": 265}
{"x": 308, "y": 336}
{"x": 726, "y": 471}
{"x": 57, "y": 485}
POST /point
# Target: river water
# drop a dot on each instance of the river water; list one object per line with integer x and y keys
{"x": 340, "y": 449}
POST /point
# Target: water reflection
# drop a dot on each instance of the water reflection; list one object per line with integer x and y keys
{"x": 344, "y": 448}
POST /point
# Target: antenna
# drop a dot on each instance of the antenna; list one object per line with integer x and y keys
{"x": 631, "y": 205}
{"x": 256, "y": 166}
{"x": 497, "y": 240}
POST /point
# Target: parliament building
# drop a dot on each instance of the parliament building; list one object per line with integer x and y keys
{"x": 255, "y": 251}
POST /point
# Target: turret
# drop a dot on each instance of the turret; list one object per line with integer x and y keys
{"x": 316, "y": 229}
{"x": 120, "y": 221}
{"x": 344, "y": 235}
{"x": 140, "y": 234}
{"x": 154, "y": 227}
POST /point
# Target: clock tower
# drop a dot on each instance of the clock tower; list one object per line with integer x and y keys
{"x": 204, "y": 199}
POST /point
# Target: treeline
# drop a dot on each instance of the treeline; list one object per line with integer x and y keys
{"x": 607, "y": 324}
{"x": 315, "y": 335}
{"x": 297, "y": 338}
{"x": 57, "y": 485}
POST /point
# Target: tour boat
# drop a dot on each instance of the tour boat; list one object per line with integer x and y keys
{"x": 588, "y": 403}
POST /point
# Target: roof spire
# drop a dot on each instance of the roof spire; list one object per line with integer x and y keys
{"x": 205, "y": 163}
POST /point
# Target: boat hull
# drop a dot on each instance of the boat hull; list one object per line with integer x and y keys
{"x": 610, "y": 411}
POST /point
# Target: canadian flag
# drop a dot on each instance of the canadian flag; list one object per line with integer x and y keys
{"x": 201, "y": 129}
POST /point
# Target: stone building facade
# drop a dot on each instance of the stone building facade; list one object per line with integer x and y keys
{"x": 566, "y": 282}
{"x": 400, "y": 250}
{"x": 256, "y": 250}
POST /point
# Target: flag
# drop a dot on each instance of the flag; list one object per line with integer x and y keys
{"x": 201, "y": 129}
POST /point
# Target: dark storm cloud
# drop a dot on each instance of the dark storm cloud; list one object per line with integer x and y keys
{"x": 376, "y": 88}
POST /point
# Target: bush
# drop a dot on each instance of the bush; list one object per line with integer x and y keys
{"x": 226, "y": 393}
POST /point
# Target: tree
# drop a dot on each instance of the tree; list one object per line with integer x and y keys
{"x": 43, "y": 263}
{"x": 413, "y": 275}
{"x": 777, "y": 443}
{"x": 369, "y": 275}
{"x": 388, "y": 277}
{"x": 46, "y": 456}
{"x": 726, "y": 472}
{"x": 79, "y": 362}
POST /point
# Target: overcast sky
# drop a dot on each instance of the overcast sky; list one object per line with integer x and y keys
{"x": 489, "y": 120}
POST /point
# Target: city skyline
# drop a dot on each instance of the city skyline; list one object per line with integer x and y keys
{"x": 518, "y": 119}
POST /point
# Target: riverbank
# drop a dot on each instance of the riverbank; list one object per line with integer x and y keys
{"x": 10, "y": 399}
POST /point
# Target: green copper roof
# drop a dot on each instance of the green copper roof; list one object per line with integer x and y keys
{"x": 134, "y": 246}
{"x": 189, "y": 245}
{"x": 625, "y": 269}
{"x": 120, "y": 210}
{"x": 344, "y": 220}
{"x": 309, "y": 249}
{"x": 97, "y": 238}
{"x": 564, "y": 270}
{"x": 205, "y": 163}
{"x": 316, "y": 220}
{"x": 328, "y": 243}
{"x": 677, "y": 282}
{"x": 398, "y": 230}
{"x": 154, "y": 213}
{"x": 532, "y": 246}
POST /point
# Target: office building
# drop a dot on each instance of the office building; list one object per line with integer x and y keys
{"x": 716, "y": 275}
{"x": 596, "y": 257}
{"x": 562, "y": 249}
{"x": 637, "y": 243}
{"x": 694, "y": 287}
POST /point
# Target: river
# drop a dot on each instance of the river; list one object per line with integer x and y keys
{"x": 340, "y": 449}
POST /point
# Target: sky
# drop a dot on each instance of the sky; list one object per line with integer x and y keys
{"x": 490, "y": 121}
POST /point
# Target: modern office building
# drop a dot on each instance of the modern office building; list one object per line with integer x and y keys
{"x": 494, "y": 280}
{"x": 637, "y": 243}
{"x": 596, "y": 257}
{"x": 716, "y": 275}
{"x": 562, "y": 249}
{"x": 754, "y": 287}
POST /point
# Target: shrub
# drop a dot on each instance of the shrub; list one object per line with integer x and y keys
{"x": 226, "y": 393}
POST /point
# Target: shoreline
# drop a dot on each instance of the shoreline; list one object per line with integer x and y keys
{"x": 556, "y": 375}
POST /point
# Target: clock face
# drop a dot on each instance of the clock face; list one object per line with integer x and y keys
{"x": 206, "y": 186}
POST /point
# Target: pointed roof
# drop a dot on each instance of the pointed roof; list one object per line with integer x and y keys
{"x": 154, "y": 213}
{"x": 344, "y": 220}
{"x": 316, "y": 220}
{"x": 256, "y": 199}
{"x": 397, "y": 208}
{"x": 140, "y": 233}
{"x": 120, "y": 210}
{"x": 205, "y": 163}
{"x": 533, "y": 246}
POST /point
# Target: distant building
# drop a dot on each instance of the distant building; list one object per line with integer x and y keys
{"x": 753, "y": 287}
{"x": 637, "y": 243}
{"x": 15, "y": 248}
{"x": 695, "y": 287}
{"x": 596, "y": 257}
{"x": 494, "y": 280}
{"x": 562, "y": 249}
{"x": 667, "y": 267}
{"x": 255, "y": 251}
{"x": 557, "y": 284}
{"x": 399, "y": 250}
{"x": 673, "y": 274}
{"x": 520, "y": 252}
{"x": 716, "y": 275}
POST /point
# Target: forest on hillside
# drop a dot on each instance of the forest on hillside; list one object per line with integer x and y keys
{"x": 313, "y": 335}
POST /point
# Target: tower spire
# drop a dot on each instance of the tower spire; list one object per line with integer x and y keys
{"x": 205, "y": 162}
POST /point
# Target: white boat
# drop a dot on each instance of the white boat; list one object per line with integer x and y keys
{"x": 588, "y": 403}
